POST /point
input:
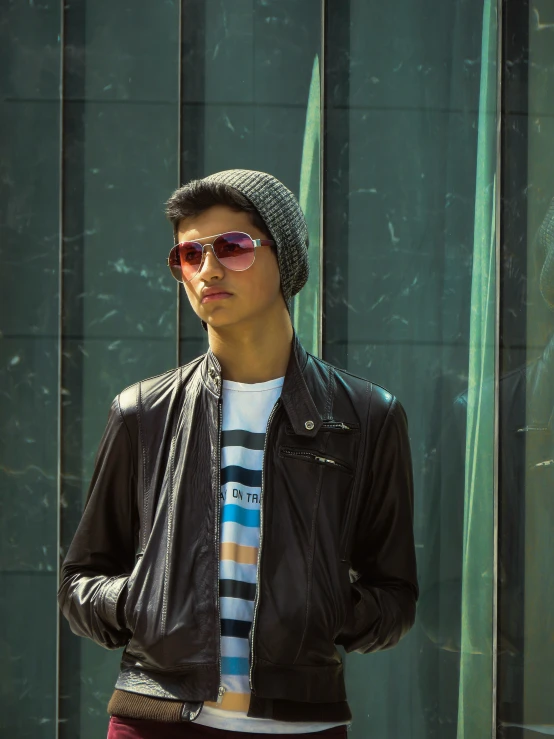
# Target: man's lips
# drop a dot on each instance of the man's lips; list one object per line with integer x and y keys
{"x": 221, "y": 295}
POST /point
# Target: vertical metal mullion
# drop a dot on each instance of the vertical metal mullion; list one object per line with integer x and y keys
{"x": 60, "y": 358}
{"x": 71, "y": 327}
{"x": 496, "y": 450}
{"x": 322, "y": 122}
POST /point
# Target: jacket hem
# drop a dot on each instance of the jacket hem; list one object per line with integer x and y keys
{"x": 126, "y": 704}
{"x": 307, "y": 683}
{"x": 197, "y": 683}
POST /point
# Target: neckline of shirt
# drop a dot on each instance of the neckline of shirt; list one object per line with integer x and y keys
{"x": 253, "y": 387}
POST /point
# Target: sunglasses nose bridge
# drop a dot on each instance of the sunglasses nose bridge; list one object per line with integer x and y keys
{"x": 205, "y": 249}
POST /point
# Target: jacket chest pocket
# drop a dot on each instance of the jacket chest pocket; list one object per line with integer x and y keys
{"x": 315, "y": 457}
{"x": 336, "y": 445}
{"x": 321, "y": 483}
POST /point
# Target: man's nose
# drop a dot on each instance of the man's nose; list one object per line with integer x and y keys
{"x": 210, "y": 266}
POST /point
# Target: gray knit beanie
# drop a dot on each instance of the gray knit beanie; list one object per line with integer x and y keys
{"x": 284, "y": 219}
{"x": 545, "y": 246}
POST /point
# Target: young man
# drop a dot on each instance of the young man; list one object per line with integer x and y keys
{"x": 248, "y": 511}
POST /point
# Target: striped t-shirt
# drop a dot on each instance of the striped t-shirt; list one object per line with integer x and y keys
{"x": 246, "y": 410}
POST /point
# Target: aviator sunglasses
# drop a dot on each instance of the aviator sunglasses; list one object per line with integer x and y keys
{"x": 234, "y": 250}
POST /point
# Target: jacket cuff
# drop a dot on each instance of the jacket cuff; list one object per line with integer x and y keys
{"x": 362, "y": 618}
{"x": 113, "y": 601}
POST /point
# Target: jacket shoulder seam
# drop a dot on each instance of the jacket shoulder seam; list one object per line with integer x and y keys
{"x": 390, "y": 414}
{"x": 351, "y": 374}
{"x": 124, "y": 422}
{"x": 177, "y": 370}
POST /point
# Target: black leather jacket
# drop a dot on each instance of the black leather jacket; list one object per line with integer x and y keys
{"x": 336, "y": 560}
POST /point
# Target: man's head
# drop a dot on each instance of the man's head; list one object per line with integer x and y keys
{"x": 257, "y": 204}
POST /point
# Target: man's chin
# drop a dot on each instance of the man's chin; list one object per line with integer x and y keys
{"x": 216, "y": 321}
{"x": 227, "y": 320}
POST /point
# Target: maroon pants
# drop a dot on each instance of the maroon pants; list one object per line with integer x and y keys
{"x": 130, "y": 728}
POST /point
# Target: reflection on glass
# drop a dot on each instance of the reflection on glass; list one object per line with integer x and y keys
{"x": 475, "y": 707}
{"x": 527, "y": 475}
{"x": 526, "y": 645}
{"x": 537, "y": 573}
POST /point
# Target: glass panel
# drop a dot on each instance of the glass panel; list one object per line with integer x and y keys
{"x": 193, "y": 340}
{"x": 538, "y": 706}
{"x": 526, "y": 646}
{"x": 475, "y": 709}
{"x": 250, "y": 101}
{"x": 307, "y": 311}
{"x": 29, "y": 297}
{"x": 409, "y": 301}
{"x": 120, "y": 139}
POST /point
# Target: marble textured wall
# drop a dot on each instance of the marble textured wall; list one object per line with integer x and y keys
{"x": 29, "y": 255}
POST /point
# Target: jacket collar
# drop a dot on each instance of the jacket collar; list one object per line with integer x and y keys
{"x": 295, "y": 396}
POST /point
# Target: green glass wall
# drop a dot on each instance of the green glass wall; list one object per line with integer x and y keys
{"x": 526, "y": 653}
{"x": 409, "y": 301}
{"x": 29, "y": 366}
{"x": 119, "y": 158}
{"x": 423, "y": 167}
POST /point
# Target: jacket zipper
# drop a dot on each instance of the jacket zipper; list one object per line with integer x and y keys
{"x": 257, "y": 596}
{"x": 336, "y": 426}
{"x": 221, "y": 689}
{"x": 329, "y": 426}
{"x": 315, "y": 457}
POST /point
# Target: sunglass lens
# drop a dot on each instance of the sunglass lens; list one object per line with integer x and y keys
{"x": 190, "y": 256}
{"x": 175, "y": 264}
{"x": 234, "y": 250}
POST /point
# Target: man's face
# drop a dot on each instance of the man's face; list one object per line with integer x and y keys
{"x": 245, "y": 296}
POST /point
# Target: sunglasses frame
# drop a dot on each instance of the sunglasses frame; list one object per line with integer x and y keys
{"x": 173, "y": 254}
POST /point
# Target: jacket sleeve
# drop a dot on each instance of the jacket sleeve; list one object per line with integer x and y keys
{"x": 384, "y": 587}
{"x": 102, "y": 554}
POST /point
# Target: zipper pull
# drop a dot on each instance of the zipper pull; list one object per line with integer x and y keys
{"x": 325, "y": 461}
{"x": 345, "y": 427}
{"x": 220, "y": 692}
